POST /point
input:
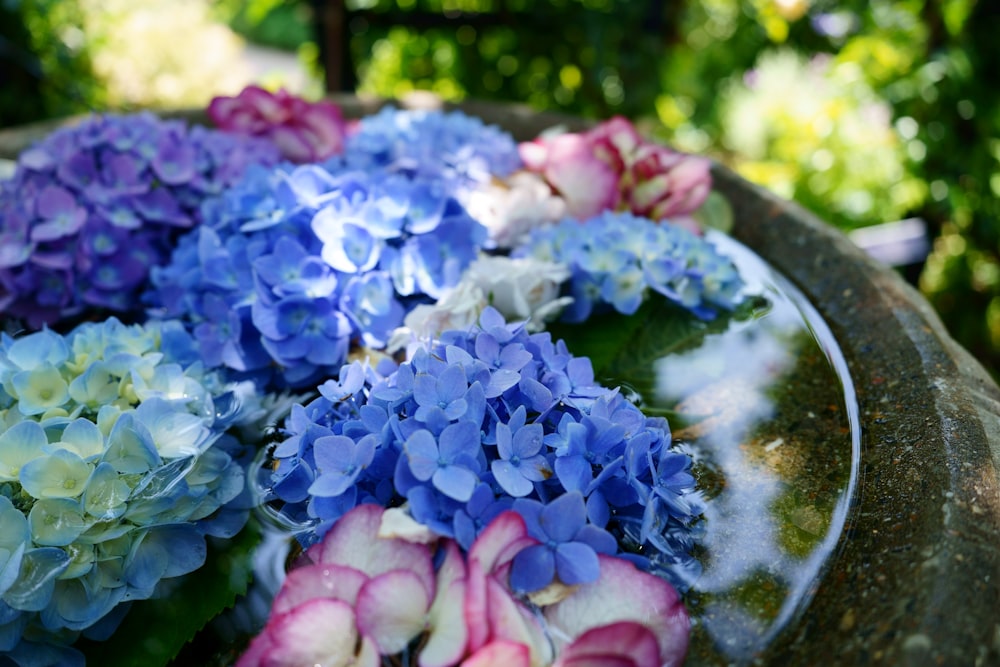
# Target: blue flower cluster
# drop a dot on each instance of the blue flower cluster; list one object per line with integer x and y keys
{"x": 489, "y": 419}
{"x": 449, "y": 146}
{"x": 616, "y": 258}
{"x": 93, "y": 206}
{"x": 114, "y": 466}
{"x": 294, "y": 265}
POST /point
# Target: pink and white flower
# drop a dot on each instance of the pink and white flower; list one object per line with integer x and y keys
{"x": 611, "y": 167}
{"x": 360, "y": 596}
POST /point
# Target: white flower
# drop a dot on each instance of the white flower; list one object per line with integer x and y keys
{"x": 459, "y": 308}
{"x": 512, "y": 208}
{"x": 524, "y": 288}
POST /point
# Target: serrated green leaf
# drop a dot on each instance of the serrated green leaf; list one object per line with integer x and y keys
{"x": 154, "y": 631}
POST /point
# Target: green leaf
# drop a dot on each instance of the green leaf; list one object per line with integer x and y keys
{"x": 602, "y": 337}
{"x": 154, "y": 631}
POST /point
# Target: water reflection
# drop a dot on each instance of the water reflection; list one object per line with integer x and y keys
{"x": 766, "y": 407}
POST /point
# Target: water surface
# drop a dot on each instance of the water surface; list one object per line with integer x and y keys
{"x": 768, "y": 411}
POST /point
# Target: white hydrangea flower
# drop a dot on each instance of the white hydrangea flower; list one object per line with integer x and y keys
{"x": 459, "y": 308}
{"x": 511, "y": 209}
{"x": 521, "y": 288}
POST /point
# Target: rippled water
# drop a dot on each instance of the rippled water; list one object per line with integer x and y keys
{"x": 768, "y": 410}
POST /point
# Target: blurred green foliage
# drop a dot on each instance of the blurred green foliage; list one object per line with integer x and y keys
{"x": 45, "y": 66}
{"x": 280, "y": 24}
{"x": 864, "y": 111}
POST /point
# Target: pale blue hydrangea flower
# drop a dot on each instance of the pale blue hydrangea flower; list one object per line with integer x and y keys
{"x": 618, "y": 259}
{"x": 115, "y": 463}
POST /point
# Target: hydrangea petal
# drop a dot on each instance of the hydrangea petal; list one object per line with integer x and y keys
{"x": 61, "y": 474}
{"x": 623, "y": 593}
{"x": 392, "y": 609}
{"x": 130, "y": 446}
{"x": 624, "y": 644}
{"x": 106, "y": 493}
{"x": 326, "y": 580}
{"x": 533, "y": 569}
{"x": 40, "y": 389}
{"x": 36, "y": 580}
{"x": 19, "y": 444}
{"x": 56, "y": 522}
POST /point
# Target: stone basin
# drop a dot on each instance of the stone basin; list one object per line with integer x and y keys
{"x": 915, "y": 577}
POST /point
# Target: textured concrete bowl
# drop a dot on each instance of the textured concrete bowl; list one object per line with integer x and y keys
{"x": 916, "y": 577}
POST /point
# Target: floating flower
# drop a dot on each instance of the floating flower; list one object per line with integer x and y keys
{"x": 303, "y": 131}
{"x": 611, "y": 167}
{"x": 113, "y": 453}
{"x": 294, "y": 265}
{"x": 616, "y": 259}
{"x": 521, "y": 289}
{"x": 493, "y": 416}
{"x": 360, "y": 597}
{"x": 92, "y": 207}
{"x": 452, "y": 147}
{"x": 511, "y": 207}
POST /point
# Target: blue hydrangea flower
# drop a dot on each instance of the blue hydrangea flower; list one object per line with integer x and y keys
{"x": 92, "y": 207}
{"x": 115, "y": 464}
{"x": 616, "y": 259}
{"x": 450, "y": 146}
{"x": 295, "y": 264}
{"x": 486, "y": 419}
{"x": 568, "y": 545}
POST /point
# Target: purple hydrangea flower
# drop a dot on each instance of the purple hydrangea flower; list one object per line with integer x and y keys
{"x": 93, "y": 206}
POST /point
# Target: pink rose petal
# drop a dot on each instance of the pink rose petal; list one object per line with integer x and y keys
{"x": 324, "y": 580}
{"x": 588, "y": 184}
{"x": 318, "y": 632}
{"x": 509, "y": 620}
{"x": 449, "y": 633}
{"x": 614, "y": 141}
{"x": 475, "y": 606}
{"x": 503, "y": 537}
